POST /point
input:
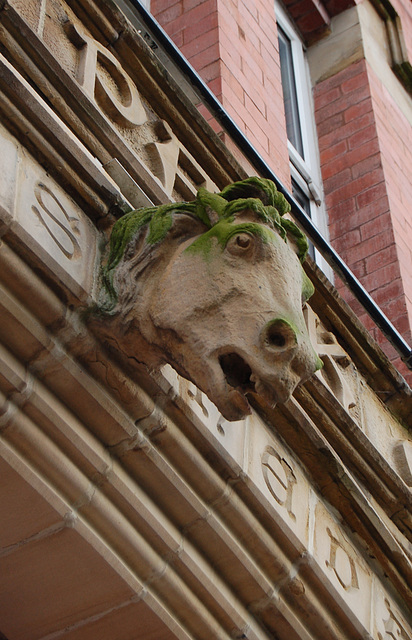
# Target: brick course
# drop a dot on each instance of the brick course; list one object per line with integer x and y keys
{"x": 236, "y": 42}
{"x": 364, "y": 167}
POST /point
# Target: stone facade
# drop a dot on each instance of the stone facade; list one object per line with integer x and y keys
{"x": 130, "y": 507}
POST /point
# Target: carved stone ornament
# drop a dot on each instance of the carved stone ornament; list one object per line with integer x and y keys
{"x": 215, "y": 288}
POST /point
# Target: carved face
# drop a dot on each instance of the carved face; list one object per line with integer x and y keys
{"x": 227, "y": 314}
{"x": 214, "y": 288}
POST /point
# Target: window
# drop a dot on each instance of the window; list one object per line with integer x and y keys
{"x": 290, "y": 97}
{"x": 300, "y": 126}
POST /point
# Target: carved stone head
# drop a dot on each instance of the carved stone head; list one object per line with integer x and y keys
{"x": 215, "y": 288}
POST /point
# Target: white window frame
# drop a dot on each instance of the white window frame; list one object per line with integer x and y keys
{"x": 305, "y": 171}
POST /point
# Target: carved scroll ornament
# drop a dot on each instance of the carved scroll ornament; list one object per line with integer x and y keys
{"x": 215, "y": 288}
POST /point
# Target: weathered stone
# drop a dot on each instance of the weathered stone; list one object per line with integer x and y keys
{"x": 214, "y": 288}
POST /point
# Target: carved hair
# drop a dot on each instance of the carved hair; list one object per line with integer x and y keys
{"x": 136, "y": 237}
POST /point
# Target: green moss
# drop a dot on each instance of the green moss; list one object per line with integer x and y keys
{"x": 213, "y": 201}
{"x": 263, "y": 198}
{"x": 223, "y": 231}
{"x": 319, "y": 363}
{"x": 123, "y": 232}
{"x": 300, "y": 238}
{"x": 158, "y": 219}
{"x": 270, "y": 205}
{"x": 307, "y": 292}
{"x": 278, "y": 327}
{"x": 159, "y": 226}
{"x": 268, "y": 214}
{"x": 257, "y": 194}
{"x": 307, "y": 288}
{"x": 261, "y": 188}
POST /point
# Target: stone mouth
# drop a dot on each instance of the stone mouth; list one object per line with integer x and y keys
{"x": 237, "y": 372}
{"x": 242, "y": 381}
{"x": 239, "y": 381}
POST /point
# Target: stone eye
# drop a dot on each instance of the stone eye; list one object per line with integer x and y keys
{"x": 240, "y": 244}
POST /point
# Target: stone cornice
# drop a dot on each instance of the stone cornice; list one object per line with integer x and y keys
{"x": 83, "y": 116}
{"x": 382, "y": 376}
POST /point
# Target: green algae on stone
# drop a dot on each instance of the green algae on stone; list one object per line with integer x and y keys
{"x": 300, "y": 238}
{"x": 307, "y": 288}
{"x": 257, "y": 194}
{"x": 213, "y": 201}
{"x": 158, "y": 220}
{"x": 261, "y": 188}
{"x": 223, "y": 231}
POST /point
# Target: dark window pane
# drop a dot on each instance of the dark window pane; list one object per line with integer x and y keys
{"x": 289, "y": 92}
{"x": 304, "y": 202}
{"x": 301, "y": 197}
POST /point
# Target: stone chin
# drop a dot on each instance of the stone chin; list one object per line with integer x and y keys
{"x": 229, "y": 382}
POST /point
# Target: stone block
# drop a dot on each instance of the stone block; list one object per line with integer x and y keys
{"x": 403, "y": 460}
{"x": 231, "y": 435}
{"x": 24, "y": 512}
{"x": 53, "y": 230}
{"x": 279, "y": 478}
{"x": 388, "y": 620}
{"x": 129, "y": 621}
{"x": 55, "y": 582}
{"x": 343, "y": 565}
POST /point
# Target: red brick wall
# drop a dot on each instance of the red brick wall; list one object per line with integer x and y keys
{"x": 397, "y": 164}
{"x": 364, "y": 190}
{"x": 233, "y": 46}
{"x": 193, "y": 26}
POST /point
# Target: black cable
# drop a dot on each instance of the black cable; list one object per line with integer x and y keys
{"x": 231, "y": 128}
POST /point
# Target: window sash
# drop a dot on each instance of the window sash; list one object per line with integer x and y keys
{"x": 290, "y": 99}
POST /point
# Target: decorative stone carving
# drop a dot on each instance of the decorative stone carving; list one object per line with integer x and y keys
{"x": 342, "y": 564}
{"x": 403, "y": 459}
{"x": 388, "y": 620}
{"x": 334, "y": 358}
{"x": 103, "y": 79}
{"x": 279, "y": 478}
{"x": 63, "y": 225}
{"x": 215, "y": 288}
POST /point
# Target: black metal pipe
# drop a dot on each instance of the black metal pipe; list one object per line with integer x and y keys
{"x": 231, "y": 128}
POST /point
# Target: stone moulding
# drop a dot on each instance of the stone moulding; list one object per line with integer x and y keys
{"x": 116, "y": 454}
{"x": 215, "y": 288}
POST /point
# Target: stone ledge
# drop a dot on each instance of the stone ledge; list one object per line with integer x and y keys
{"x": 381, "y": 375}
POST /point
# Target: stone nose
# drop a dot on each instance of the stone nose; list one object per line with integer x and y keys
{"x": 282, "y": 340}
{"x": 279, "y": 336}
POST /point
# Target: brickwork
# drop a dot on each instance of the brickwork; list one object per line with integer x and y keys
{"x": 193, "y": 26}
{"x": 360, "y": 149}
{"x": 313, "y": 18}
{"x": 233, "y": 46}
{"x": 397, "y": 163}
